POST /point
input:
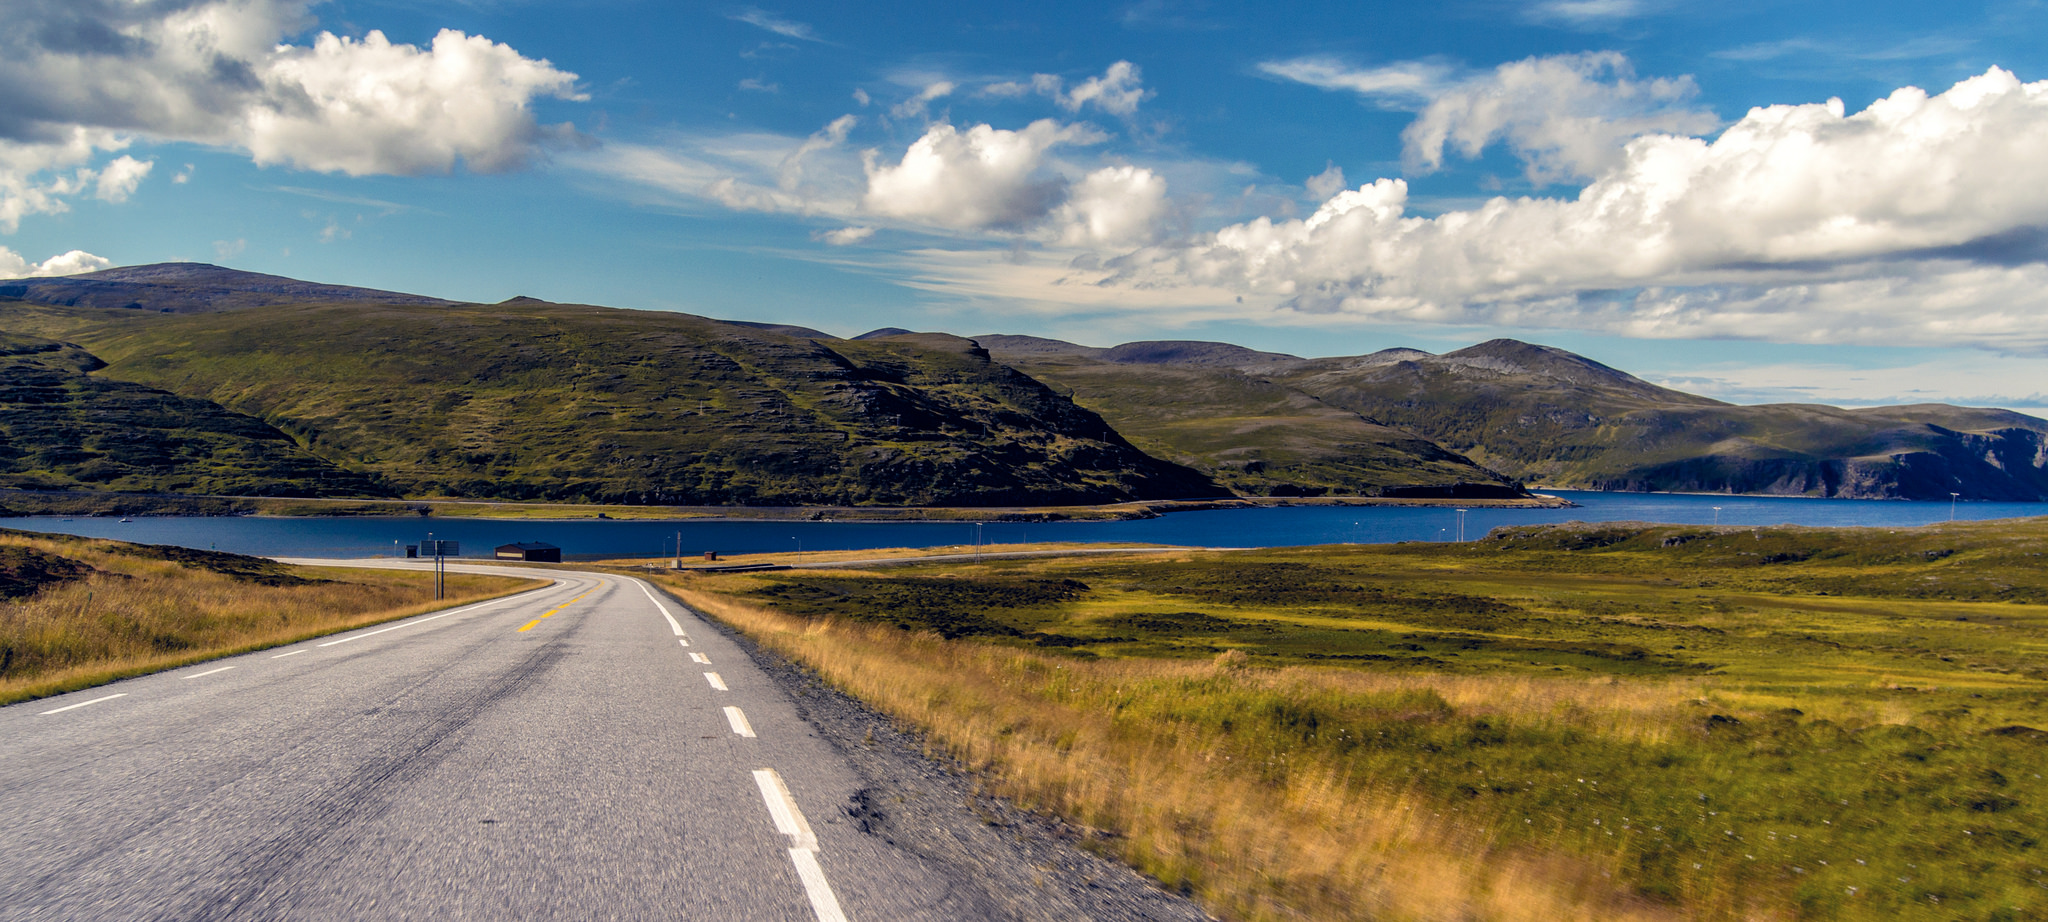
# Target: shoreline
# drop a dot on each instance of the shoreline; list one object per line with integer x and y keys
{"x": 39, "y": 504}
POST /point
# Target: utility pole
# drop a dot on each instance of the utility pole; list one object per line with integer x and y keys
{"x": 1952, "y": 506}
{"x": 679, "y": 550}
{"x": 1461, "y": 526}
{"x": 1717, "y": 516}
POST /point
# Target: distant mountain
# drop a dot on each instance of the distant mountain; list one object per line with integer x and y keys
{"x": 532, "y": 400}
{"x": 63, "y": 428}
{"x": 1537, "y": 414}
{"x": 186, "y": 288}
{"x": 254, "y": 383}
{"x": 1548, "y": 416}
{"x": 1213, "y": 407}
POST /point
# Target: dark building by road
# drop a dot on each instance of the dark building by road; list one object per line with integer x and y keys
{"x": 538, "y": 551}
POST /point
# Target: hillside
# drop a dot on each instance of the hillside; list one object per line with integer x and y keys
{"x": 1210, "y": 407}
{"x": 1535, "y": 414}
{"x": 63, "y": 428}
{"x": 532, "y": 400}
{"x": 185, "y": 288}
{"x": 194, "y": 378}
{"x": 1544, "y": 415}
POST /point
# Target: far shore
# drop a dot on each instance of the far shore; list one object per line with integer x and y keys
{"x": 36, "y": 503}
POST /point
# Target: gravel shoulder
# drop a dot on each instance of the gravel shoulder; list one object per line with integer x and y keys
{"x": 1011, "y": 863}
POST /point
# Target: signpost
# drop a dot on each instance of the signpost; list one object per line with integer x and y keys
{"x": 441, "y": 551}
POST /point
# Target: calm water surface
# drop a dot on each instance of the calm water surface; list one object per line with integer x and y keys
{"x": 1269, "y": 527}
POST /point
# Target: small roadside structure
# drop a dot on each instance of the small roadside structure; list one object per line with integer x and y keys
{"x": 535, "y": 551}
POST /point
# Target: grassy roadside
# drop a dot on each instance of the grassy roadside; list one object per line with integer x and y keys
{"x": 77, "y": 612}
{"x": 1612, "y": 722}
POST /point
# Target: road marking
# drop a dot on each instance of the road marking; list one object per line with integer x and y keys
{"x": 528, "y": 627}
{"x": 200, "y": 675}
{"x": 715, "y": 681}
{"x": 700, "y": 658}
{"x": 672, "y": 625}
{"x": 684, "y": 641}
{"x": 293, "y": 653}
{"x": 431, "y": 618}
{"x": 83, "y": 704}
{"x": 739, "y": 722}
{"x": 803, "y": 844}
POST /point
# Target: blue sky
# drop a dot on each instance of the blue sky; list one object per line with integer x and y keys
{"x": 1664, "y": 187}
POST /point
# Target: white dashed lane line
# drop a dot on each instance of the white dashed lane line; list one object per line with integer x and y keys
{"x": 803, "y": 844}
{"x": 70, "y": 707}
{"x": 738, "y": 719}
{"x": 715, "y": 681}
{"x": 293, "y": 653}
{"x": 700, "y": 659}
{"x": 201, "y": 675}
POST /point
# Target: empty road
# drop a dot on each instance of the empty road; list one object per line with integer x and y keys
{"x": 585, "y": 750}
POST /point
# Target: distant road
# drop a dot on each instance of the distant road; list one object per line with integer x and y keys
{"x": 585, "y": 750}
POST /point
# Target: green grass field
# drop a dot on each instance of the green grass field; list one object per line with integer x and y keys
{"x": 1606, "y": 721}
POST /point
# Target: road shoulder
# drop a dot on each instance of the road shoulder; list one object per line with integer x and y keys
{"x": 1029, "y": 866}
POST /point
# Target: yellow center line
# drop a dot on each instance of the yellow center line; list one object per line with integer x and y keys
{"x": 550, "y": 613}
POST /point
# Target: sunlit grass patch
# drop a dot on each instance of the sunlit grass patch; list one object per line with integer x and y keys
{"x": 117, "y": 610}
{"x": 1492, "y": 731}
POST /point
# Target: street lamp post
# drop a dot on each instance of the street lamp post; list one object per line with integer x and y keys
{"x": 799, "y": 549}
{"x": 1461, "y": 526}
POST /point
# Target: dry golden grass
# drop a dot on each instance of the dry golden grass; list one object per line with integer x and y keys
{"x": 134, "y": 615}
{"x": 1251, "y": 840}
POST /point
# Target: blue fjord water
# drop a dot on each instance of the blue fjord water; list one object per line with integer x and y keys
{"x": 1261, "y": 527}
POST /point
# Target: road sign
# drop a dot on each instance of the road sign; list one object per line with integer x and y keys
{"x": 440, "y": 549}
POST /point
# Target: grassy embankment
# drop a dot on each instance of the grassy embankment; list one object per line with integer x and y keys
{"x": 78, "y": 612}
{"x": 1613, "y": 722}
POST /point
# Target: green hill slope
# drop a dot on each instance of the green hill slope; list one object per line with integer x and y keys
{"x": 1212, "y": 407}
{"x": 1547, "y": 416}
{"x": 530, "y": 400}
{"x": 62, "y": 428}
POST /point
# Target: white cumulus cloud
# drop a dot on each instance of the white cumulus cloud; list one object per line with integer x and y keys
{"x": 118, "y": 179}
{"x": 1565, "y": 116}
{"x": 1114, "y": 206}
{"x": 83, "y": 78}
{"x": 1118, "y": 91}
{"x": 1919, "y": 219}
{"x": 978, "y": 179}
{"x": 13, "y": 266}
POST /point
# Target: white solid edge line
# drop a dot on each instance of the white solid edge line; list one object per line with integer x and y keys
{"x": 700, "y": 658}
{"x": 83, "y": 704}
{"x": 437, "y": 617}
{"x": 672, "y": 625}
{"x": 738, "y": 719}
{"x": 815, "y": 886}
{"x": 715, "y": 681}
{"x": 293, "y": 653}
{"x": 199, "y": 675}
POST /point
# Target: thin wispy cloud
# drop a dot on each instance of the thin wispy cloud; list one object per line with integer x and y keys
{"x": 382, "y": 206}
{"x": 1589, "y": 14}
{"x": 775, "y": 23}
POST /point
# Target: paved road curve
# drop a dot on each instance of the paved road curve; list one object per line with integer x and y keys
{"x": 586, "y": 750}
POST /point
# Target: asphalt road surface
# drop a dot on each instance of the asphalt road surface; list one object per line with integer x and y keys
{"x": 585, "y": 750}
